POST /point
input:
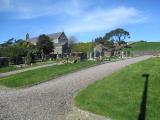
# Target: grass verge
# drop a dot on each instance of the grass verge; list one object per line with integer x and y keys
{"x": 12, "y": 68}
{"x": 8, "y": 69}
{"x": 32, "y": 77}
{"x": 119, "y": 95}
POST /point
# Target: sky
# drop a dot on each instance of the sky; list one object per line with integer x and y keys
{"x": 84, "y": 19}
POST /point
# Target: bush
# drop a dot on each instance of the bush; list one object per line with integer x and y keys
{"x": 29, "y": 59}
{"x": 4, "y": 61}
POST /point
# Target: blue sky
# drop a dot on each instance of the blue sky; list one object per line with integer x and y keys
{"x": 85, "y": 19}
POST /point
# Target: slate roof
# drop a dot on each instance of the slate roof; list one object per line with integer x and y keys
{"x": 52, "y": 36}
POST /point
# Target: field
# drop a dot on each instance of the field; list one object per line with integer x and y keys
{"x": 145, "y": 46}
{"x": 119, "y": 96}
{"x": 36, "y": 76}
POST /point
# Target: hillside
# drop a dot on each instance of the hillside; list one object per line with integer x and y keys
{"x": 145, "y": 46}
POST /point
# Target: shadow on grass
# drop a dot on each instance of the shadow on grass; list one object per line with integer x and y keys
{"x": 142, "y": 114}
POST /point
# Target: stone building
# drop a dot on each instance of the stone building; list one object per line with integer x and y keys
{"x": 59, "y": 40}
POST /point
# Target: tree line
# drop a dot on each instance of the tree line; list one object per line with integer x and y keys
{"x": 110, "y": 40}
{"x": 23, "y": 51}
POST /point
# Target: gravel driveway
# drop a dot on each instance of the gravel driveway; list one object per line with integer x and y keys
{"x": 52, "y": 99}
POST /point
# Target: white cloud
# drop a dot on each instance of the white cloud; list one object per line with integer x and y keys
{"x": 29, "y": 9}
{"x": 102, "y": 19}
{"x": 5, "y": 5}
{"x": 79, "y": 15}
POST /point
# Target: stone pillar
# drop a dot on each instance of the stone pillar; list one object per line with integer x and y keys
{"x": 90, "y": 57}
{"x": 94, "y": 53}
{"x": 122, "y": 54}
{"x": 57, "y": 55}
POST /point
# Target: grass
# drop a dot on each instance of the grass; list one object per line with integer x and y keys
{"x": 145, "y": 46}
{"x": 32, "y": 77}
{"x": 8, "y": 69}
{"x": 12, "y": 68}
{"x": 119, "y": 95}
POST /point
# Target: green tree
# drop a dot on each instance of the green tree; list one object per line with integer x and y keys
{"x": 14, "y": 52}
{"x": 118, "y": 35}
{"x": 100, "y": 40}
{"x": 44, "y": 45}
{"x": 8, "y": 42}
{"x": 29, "y": 58}
{"x": 19, "y": 42}
{"x": 104, "y": 41}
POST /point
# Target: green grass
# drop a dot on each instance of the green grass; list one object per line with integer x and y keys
{"x": 145, "y": 46}
{"x": 8, "y": 69}
{"x": 32, "y": 77}
{"x": 12, "y": 68}
{"x": 119, "y": 95}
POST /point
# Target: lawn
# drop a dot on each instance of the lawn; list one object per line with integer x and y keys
{"x": 12, "y": 68}
{"x": 32, "y": 77}
{"x": 8, "y": 69}
{"x": 119, "y": 95}
{"x": 145, "y": 46}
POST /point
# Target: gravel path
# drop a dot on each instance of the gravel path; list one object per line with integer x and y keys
{"x": 52, "y": 99}
{"x": 24, "y": 70}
